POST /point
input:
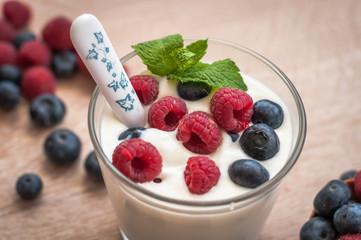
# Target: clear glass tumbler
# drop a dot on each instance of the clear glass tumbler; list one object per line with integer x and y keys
{"x": 145, "y": 215}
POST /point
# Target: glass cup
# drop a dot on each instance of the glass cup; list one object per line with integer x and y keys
{"x": 145, "y": 215}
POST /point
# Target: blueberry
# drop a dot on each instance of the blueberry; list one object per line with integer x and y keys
{"x": 268, "y": 112}
{"x": 318, "y": 228}
{"x": 331, "y": 197}
{"x": 134, "y": 132}
{"x": 10, "y": 73}
{"x": 23, "y": 37}
{"x": 47, "y": 110}
{"x": 248, "y": 173}
{"x": 348, "y": 175}
{"x": 347, "y": 219}
{"x": 260, "y": 141}
{"x": 29, "y": 186}
{"x": 234, "y": 136}
{"x": 64, "y": 64}
{"x": 92, "y": 167}
{"x": 9, "y": 95}
{"x": 62, "y": 146}
{"x": 193, "y": 91}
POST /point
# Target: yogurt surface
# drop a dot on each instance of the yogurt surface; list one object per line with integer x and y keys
{"x": 175, "y": 155}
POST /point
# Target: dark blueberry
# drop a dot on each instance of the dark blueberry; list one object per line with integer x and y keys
{"x": 348, "y": 175}
{"x": 29, "y": 186}
{"x": 234, "y": 136}
{"x": 318, "y": 228}
{"x": 62, "y": 147}
{"x": 268, "y": 112}
{"x": 9, "y": 95}
{"x": 248, "y": 173}
{"x": 10, "y": 73}
{"x": 260, "y": 141}
{"x": 347, "y": 219}
{"x": 133, "y": 132}
{"x": 331, "y": 197}
{"x": 23, "y": 37}
{"x": 47, "y": 110}
{"x": 64, "y": 64}
{"x": 193, "y": 91}
{"x": 92, "y": 167}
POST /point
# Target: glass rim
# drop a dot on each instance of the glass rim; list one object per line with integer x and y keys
{"x": 259, "y": 191}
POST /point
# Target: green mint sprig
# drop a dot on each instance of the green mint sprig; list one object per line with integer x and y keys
{"x": 168, "y": 57}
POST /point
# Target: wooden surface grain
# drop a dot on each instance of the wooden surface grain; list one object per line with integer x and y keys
{"x": 316, "y": 43}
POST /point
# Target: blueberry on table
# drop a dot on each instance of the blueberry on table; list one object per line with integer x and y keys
{"x": 331, "y": 197}
{"x": 248, "y": 173}
{"x": 318, "y": 228}
{"x": 62, "y": 147}
{"x": 9, "y": 95}
{"x": 193, "y": 91}
{"x": 347, "y": 219}
{"x": 92, "y": 167}
{"x": 268, "y": 112}
{"x": 64, "y": 64}
{"x": 10, "y": 73}
{"x": 348, "y": 175}
{"x": 23, "y": 37}
{"x": 47, "y": 110}
{"x": 133, "y": 132}
{"x": 29, "y": 186}
{"x": 260, "y": 141}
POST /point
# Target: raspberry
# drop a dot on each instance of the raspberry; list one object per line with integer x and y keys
{"x": 37, "y": 80}
{"x": 17, "y": 13}
{"x": 201, "y": 174}
{"x": 357, "y": 182}
{"x": 56, "y": 34}
{"x": 34, "y": 53}
{"x": 354, "y": 236}
{"x": 232, "y": 109}
{"x": 146, "y": 88}
{"x": 199, "y": 133}
{"x": 7, "y": 53}
{"x": 138, "y": 160}
{"x": 7, "y": 31}
{"x": 166, "y": 113}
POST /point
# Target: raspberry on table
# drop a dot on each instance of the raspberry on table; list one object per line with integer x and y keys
{"x": 138, "y": 160}
{"x": 17, "y": 13}
{"x": 199, "y": 133}
{"x": 56, "y": 34}
{"x": 34, "y": 53}
{"x": 232, "y": 109}
{"x": 7, "y": 31}
{"x": 351, "y": 236}
{"x": 201, "y": 174}
{"x": 8, "y": 53}
{"x": 37, "y": 80}
{"x": 166, "y": 113}
{"x": 146, "y": 88}
{"x": 357, "y": 182}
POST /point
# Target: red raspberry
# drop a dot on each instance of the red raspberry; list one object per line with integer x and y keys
{"x": 17, "y": 13}
{"x": 7, "y": 53}
{"x": 138, "y": 160}
{"x": 199, "y": 133}
{"x": 166, "y": 113}
{"x": 357, "y": 182}
{"x": 146, "y": 88}
{"x": 7, "y": 31}
{"x": 232, "y": 109}
{"x": 34, "y": 53}
{"x": 37, "y": 80}
{"x": 350, "y": 236}
{"x": 56, "y": 34}
{"x": 201, "y": 174}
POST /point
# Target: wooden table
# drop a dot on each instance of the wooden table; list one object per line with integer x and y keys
{"x": 316, "y": 43}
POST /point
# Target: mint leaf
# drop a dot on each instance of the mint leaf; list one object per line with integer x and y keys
{"x": 224, "y": 73}
{"x": 156, "y": 54}
{"x": 187, "y": 57}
